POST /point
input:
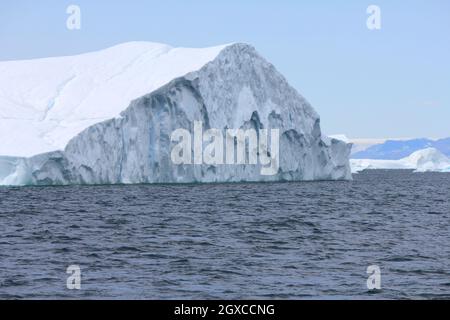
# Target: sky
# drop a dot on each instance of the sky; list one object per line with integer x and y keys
{"x": 388, "y": 83}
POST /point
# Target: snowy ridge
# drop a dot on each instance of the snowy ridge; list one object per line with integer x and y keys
{"x": 425, "y": 160}
{"x": 46, "y": 102}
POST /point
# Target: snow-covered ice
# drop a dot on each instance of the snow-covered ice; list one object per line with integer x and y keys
{"x": 341, "y": 137}
{"x": 46, "y": 102}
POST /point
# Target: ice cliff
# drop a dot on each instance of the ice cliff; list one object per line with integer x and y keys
{"x": 107, "y": 117}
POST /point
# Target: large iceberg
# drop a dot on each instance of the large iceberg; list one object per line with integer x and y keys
{"x": 426, "y": 160}
{"x": 107, "y": 117}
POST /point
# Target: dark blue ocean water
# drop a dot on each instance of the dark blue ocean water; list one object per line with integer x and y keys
{"x": 278, "y": 240}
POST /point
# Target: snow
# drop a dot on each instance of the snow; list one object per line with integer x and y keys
{"x": 341, "y": 137}
{"x": 80, "y": 106}
{"x": 425, "y": 160}
{"x": 46, "y": 102}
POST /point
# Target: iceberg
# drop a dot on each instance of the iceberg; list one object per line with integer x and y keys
{"x": 106, "y": 117}
{"x": 425, "y": 160}
{"x": 44, "y": 103}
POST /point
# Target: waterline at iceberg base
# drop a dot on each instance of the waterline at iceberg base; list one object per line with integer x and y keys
{"x": 237, "y": 88}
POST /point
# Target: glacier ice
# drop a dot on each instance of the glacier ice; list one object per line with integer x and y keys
{"x": 107, "y": 117}
{"x": 425, "y": 160}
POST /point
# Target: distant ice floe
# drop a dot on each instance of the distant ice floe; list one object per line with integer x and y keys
{"x": 425, "y": 160}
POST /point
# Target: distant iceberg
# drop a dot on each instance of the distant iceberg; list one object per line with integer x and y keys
{"x": 396, "y": 149}
{"x": 425, "y": 160}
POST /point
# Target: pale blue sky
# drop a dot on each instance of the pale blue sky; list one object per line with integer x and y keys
{"x": 394, "y": 82}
